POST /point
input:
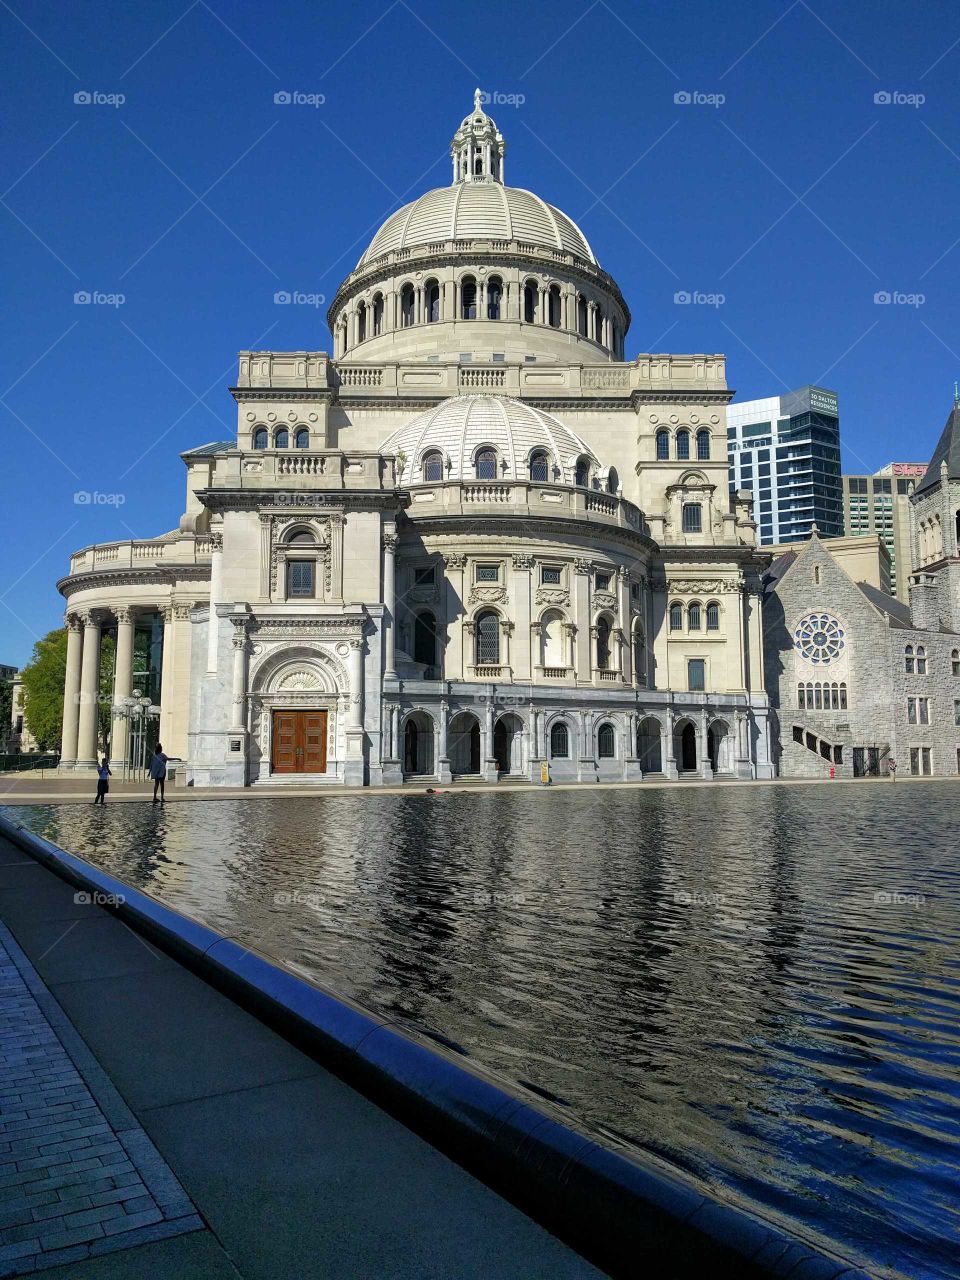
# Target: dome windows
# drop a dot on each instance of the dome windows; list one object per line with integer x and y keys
{"x": 530, "y": 292}
{"x": 433, "y": 467}
{"x": 431, "y": 299}
{"x": 485, "y": 464}
{"x": 282, "y": 439}
{"x": 302, "y": 438}
{"x": 261, "y": 438}
{"x": 468, "y": 299}
{"x": 407, "y": 306}
{"x": 494, "y": 297}
{"x": 539, "y": 467}
{"x": 553, "y": 306}
{"x": 581, "y": 475}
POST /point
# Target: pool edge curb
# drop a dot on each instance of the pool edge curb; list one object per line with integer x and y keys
{"x": 619, "y": 1209}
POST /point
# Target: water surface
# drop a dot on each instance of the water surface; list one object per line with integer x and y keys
{"x": 760, "y": 983}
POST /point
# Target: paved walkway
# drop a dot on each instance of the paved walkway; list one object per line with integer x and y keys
{"x": 24, "y": 788}
{"x": 178, "y": 1115}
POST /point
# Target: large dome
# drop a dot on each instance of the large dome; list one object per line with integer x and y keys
{"x": 479, "y": 211}
{"x": 457, "y": 428}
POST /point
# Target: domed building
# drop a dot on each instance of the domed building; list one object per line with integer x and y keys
{"x": 475, "y": 542}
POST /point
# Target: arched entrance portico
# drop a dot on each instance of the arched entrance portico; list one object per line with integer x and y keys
{"x": 508, "y": 744}
{"x": 650, "y": 745}
{"x": 720, "y": 747}
{"x": 685, "y": 746}
{"x": 463, "y": 744}
{"x": 417, "y": 739}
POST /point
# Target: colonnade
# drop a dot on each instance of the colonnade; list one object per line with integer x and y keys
{"x": 79, "y": 745}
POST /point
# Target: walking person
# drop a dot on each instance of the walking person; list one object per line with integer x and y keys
{"x": 103, "y": 782}
{"x": 158, "y": 772}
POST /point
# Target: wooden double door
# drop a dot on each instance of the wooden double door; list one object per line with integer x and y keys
{"x": 299, "y": 742}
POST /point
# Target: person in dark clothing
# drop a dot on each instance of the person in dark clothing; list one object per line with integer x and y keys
{"x": 158, "y": 772}
{"x": 103, "y": 782}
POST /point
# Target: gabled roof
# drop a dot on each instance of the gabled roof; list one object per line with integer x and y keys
{"x": 947, "y": 450}
{"x": 897, "y": 613}
{"x": 215, "y": 446}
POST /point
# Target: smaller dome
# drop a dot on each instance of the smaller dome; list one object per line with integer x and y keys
{"x": 458, "y": 429}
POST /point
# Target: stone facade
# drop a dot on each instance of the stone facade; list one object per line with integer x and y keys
{"x": 476, "y": 541}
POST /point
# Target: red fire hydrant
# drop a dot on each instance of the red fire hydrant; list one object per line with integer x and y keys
{"x": 833, "y": 772}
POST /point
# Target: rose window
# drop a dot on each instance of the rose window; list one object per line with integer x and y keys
{"x": 819, "y": 638}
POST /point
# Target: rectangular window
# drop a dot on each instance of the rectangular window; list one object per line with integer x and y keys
{"x": 924, "y": 709}
{"x": 696, "y": 675}
{"x": 550, "y": 575}
{"x": 956, "y": 711}
{"x": 424, "y": 577}
{"x": 488, "y": 573}
{"x": 603, "y": 582}
{"x": 300, "y": 578}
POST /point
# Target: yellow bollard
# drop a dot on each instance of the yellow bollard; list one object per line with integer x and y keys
{"x": 544, "y": 773}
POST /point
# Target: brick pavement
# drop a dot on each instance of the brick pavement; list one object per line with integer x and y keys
{"x": 78, "y": 1175}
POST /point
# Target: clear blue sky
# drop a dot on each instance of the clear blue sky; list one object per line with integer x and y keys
{"x": 798, "y": 198}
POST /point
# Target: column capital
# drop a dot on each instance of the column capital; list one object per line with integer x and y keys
{"x": 73, "y": 622}
{"x": 90, "y": 617}
{"x": 523, "y": 561}
{"x": 124, "y": 614}
{"x": 454, "y": 560}
{"x": 356, "y": 643}
{"x": 582, "y": 566}
{"x": 181, "y": 610}
{"x": 390, "y": 541}
{"x": 216, "y": 542}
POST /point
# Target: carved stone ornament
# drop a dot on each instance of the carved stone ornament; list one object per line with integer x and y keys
{"x": 487, "y": 595}
{"x": 454, "y": 560}
{"x": 216, "y": 542}
{"x": 553, "y": 595}
{"x": 701, "y": 586}
{"x": 605, "y": 599}
{"x": 582, "y": 566}
{"x": 299, "y": 680}
{"x": 523, "y": 561}
{"x": 181, "y": 611}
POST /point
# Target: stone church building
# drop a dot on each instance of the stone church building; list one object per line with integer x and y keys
{"x": 857, "y": 678}
{"x": 474, "y": 540}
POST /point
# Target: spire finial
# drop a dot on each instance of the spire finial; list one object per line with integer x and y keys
{"x": 477, "y": 99}
{"x": 956, "y": 392}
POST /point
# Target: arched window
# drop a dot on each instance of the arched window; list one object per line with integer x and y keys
{"x": 407, "y": 304}
{"x": 530, "y": 303}
{"x": 362, "y": 322}
{"x": 663, "y": 445}
{"x": 843, "y": 697}
{"x": 302, "y": 438}
{"x": 425, "y": 639}
{"x": 713, "y": 617}
{"x": 494, "y": 297}
{"x": 486, "y": 465}
{"x": 597, "y": 325}
{"x": 582, "y": 316}
{"x": 676, "y": 617}
{"x": 613, "y": 480}
{"x": 468, "y": 298}
{"x": 539, "y": 467}
{"x": 553, "y": 306}
{"x": 551, "y": 640}
{"x": 955, "y": 662}
{"x": 693, "y": 617}
{"x": 377, "y": 314}
{"x": 431, "y": 293}
{"x": 559, "y": 741}
{"x": 282, "y": 439}
{"x": 921, "y": 660}
{"x": 582, "y": 474}
{"x": 260, "y": 438}
{"x": 908, "y": 661}
{"x": 433, "y": 467}
{"x": 603, "y": 644}
{"x": 488, "y": 639}
{"x": 801, "y": 696}
{"x": 692, "y": 517}
{"x": 683, "y": 444}
{"x": 703, "y": 445}
{"x": 606, "y": 742}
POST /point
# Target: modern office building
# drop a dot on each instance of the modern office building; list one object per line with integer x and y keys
{"x": 879, "y": 505}
{"x": 786, "y": 451}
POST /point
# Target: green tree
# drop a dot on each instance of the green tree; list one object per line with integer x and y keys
{"x": 6, "y": 710}
{"x": 43, "y": 678}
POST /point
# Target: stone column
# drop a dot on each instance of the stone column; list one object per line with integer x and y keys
{"x": 122, "y": 687}
{"x": 706, "y": 770}
{"x": 71, "y": 693}
{"x": 166, "y": 676}
{"x": 390, "y": 603}
{"x": 580, "y": 601}
{"x": 336, "y": 556}
{"x": 488, "y": 764}
{"x": 454, "y": 665}
{"x": 239, "y": 700}
{"x": 89, "y": 693}
{"x": 355, "y": 719}
{"x": 507, "y": 630}
{"x": 216, "y": 594}
{"x": 443, "y": 758}
{"x": 667, "y": 751}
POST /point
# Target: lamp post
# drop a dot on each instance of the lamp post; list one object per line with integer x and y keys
{"x": 138, "y": 710}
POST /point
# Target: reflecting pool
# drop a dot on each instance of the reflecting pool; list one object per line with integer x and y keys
{"x": 760, "y": 983}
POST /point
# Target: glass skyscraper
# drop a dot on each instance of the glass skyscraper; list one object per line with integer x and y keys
{"x": 786, "y": 451}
